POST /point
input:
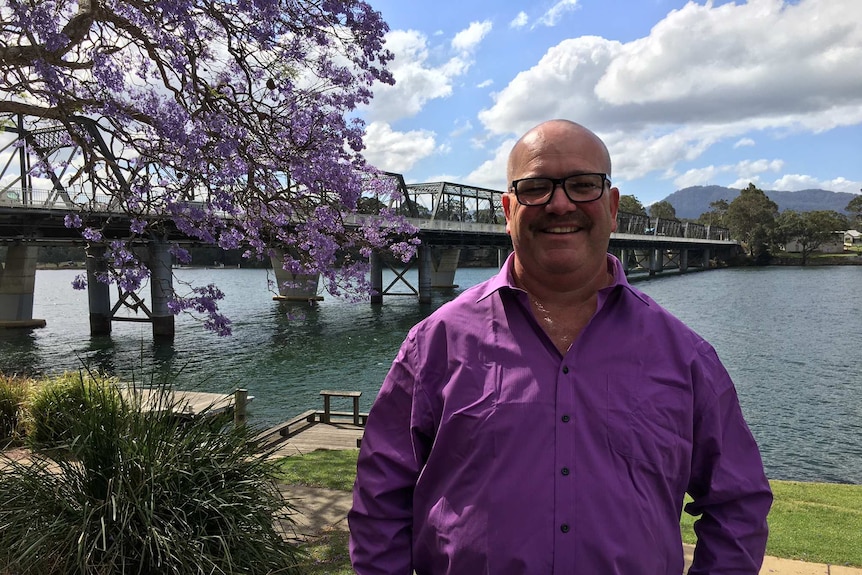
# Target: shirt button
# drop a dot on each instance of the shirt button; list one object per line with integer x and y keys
{"x": 564, "y": 527}
{"x": 565, "y": 418}
{"x": 565, "y": 369}
{"x": 564, "y": 470}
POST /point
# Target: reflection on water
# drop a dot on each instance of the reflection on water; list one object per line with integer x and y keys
{"x": 788, "y": 336}
{"x": 20, "y": 352}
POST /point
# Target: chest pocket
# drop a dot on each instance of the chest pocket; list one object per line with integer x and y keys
{"x": 649, "y": 421}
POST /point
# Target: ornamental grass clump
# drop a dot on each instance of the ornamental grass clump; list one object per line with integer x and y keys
{"x": 13, "y": 395}
{"x": 144, "y": 490}
{"x": 57, "y": 404}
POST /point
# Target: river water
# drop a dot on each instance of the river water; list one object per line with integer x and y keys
{"x": 790, "y": 338}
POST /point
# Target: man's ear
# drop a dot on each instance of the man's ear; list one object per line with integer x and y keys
{"x": 507, "y": 206}
{"x": 615, "y": 206}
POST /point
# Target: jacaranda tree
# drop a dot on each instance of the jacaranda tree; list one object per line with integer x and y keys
{"x": 233, "y": 121}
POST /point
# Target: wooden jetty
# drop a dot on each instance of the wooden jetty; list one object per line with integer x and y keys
{"x": 319, "y": 429}
{"x": 309, "y": 431}
{"x": 192, "y": 403}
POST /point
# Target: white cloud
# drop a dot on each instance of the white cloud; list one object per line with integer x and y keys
{"x": 842, "y": 185}
{"x": 746, "y": 170}
{"x": 697, "y": 177}
{"x": 703, "y": 61}
{"x": 637, "y": 154}
{"x": 419, "y": 78}
{"x": 759, "y": 166}
{"x": 444, "y": 177}
{"x": 742, "y": 183}
{"x": 561, "y": 84}
{"x": 795, "y": 182}
{"x": 485, "y": 84}
{"x": 416, "y": 82}
{"x": 557, "y": 11}
{"x": 492, "y": 173}
{"x": 519, "y": 21}
{"x": 394, "y": 151}
{"x": 705, "y": 74}
{"x": 468, "y": 39}
{"x": 461, "y": 127}
{"x": 744, "y": 143}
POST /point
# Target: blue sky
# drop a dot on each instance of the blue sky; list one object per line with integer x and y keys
{"x": 684, "y": 93}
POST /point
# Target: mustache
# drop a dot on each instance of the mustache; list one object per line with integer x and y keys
{"x": 575, "y": 219}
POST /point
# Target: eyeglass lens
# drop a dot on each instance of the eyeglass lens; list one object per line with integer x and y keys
{"x": 578, "y": 188}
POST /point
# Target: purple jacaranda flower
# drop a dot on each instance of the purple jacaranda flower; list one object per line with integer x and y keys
{"x": 226, "y": 149}
{"x": 72, "y": 221}
{"x": 137, "y": 226}
{"x": 92, "y": 235}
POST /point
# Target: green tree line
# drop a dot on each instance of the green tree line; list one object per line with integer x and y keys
{"x": 756, "y": 222}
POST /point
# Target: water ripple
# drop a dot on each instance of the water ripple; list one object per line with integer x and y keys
{"x": 789, "y": 337}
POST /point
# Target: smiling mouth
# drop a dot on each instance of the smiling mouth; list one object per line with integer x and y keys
{"x": 562, "y": 230}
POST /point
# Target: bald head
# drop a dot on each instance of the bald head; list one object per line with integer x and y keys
{"x": 555, "y": 135}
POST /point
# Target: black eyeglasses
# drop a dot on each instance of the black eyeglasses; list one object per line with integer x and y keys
{"x": 579, "y": 188}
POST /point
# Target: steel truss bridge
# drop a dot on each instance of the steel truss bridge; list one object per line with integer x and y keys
{"x": 449, "y": 217}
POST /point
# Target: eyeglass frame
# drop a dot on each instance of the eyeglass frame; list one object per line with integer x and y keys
{"x": 555, "y": 182}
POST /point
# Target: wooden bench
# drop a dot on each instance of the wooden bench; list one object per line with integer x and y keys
{"x": 329, "y": 394}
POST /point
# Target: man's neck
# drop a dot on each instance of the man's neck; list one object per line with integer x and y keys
{"x": 563, "y": 309}
{"x": 571, "y": 290}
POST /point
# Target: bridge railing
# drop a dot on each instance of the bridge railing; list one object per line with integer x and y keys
{"x": 633, "y": 224}
{"x": 437, "y": 225}
{"x": 640, "y": 225}
{"x": 58, "y": 199}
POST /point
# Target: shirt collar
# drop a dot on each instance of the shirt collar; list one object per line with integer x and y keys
{"x": 504, "y": 280}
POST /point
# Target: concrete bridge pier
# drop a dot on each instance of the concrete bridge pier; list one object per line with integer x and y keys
{"x": 443, "y": 272}
{"x": 98, "y": 293}
{"x": 426, "y": 271}
{"x": 291, "y": 286}
{"x": 17, "y": 283}
{"x": 502, "y": 254}
{"x": 625, "y": 257}
{"x": 706, "y": 257}
{"x": 683, "y": 260}
{"x": 161, "y": 288}
{"x": 376, "y": 278}
{"x": 656, "y": 262}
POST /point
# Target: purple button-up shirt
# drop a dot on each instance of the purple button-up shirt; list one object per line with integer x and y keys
{"x": 487, "y": 451}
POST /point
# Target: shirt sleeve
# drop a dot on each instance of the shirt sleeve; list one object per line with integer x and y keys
{"x": 728, "y": 484}
{"x": 394, "y": 449}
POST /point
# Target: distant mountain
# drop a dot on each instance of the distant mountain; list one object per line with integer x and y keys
{"x": 690, "y": 203}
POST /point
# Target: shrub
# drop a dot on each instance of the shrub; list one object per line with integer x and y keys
{"x": 145, "y": 492}
{"x": 13, "y": 394}
{"x": 57, "y": 403}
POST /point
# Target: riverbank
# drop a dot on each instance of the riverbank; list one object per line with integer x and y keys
{"x": 848, "y": 259}
{"x": 815, "y": 528}
{"x": 321, "y": 521}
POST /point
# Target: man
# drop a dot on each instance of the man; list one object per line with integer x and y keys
{"x": 551, "y": 419}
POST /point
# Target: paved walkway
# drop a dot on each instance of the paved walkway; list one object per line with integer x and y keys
{"x": 320, "y": 509}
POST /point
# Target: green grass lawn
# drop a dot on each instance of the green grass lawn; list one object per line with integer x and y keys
{"x": 818, "y": 522}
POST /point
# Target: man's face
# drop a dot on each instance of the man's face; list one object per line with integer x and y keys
{"x": 560, "y": 237}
